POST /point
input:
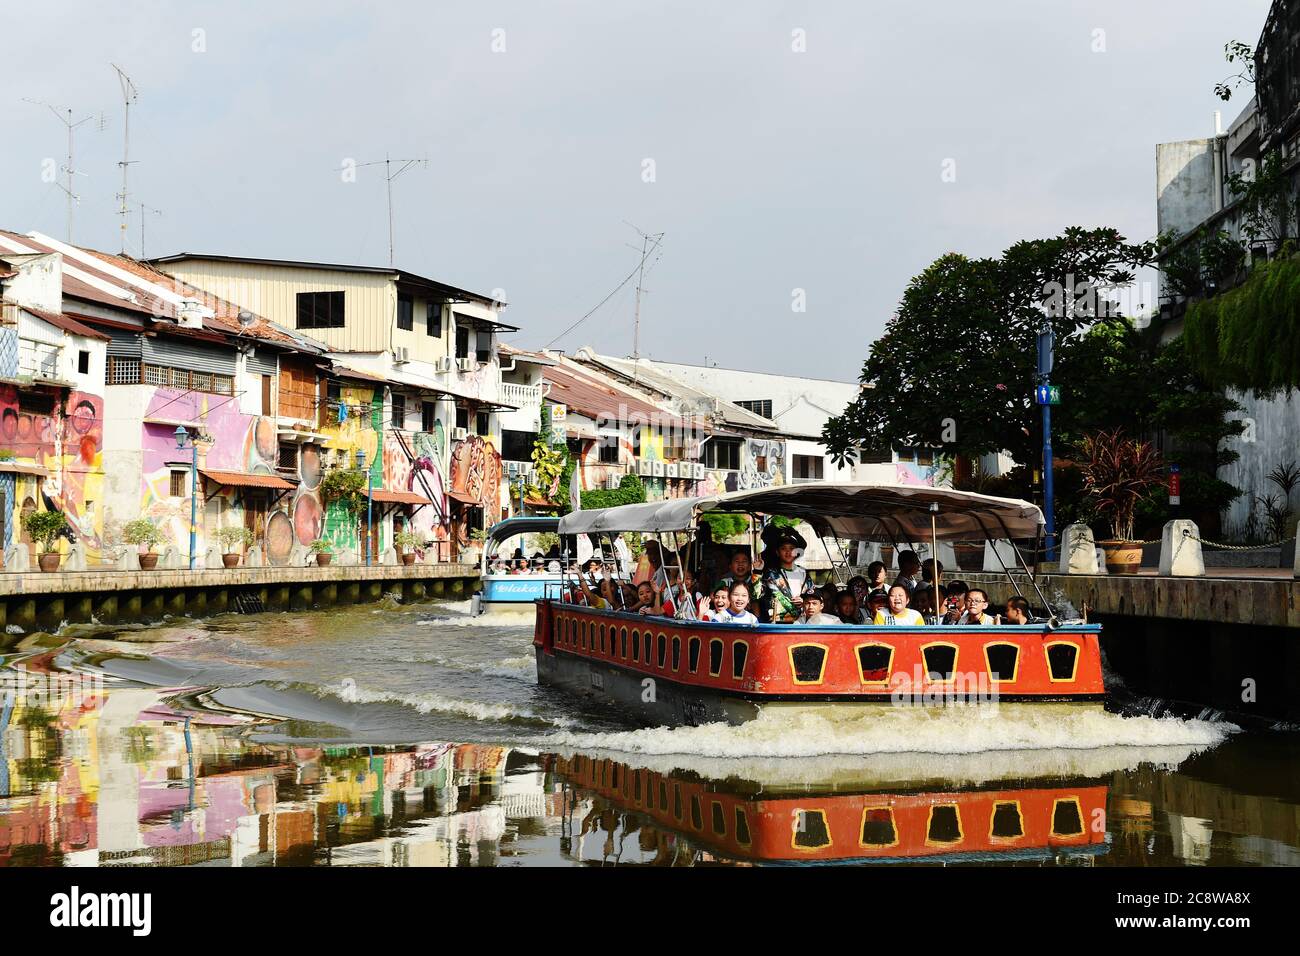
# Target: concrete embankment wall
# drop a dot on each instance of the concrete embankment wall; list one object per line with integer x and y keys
{"x": 36, "y": 601}
{"x": 1226, "y": 643}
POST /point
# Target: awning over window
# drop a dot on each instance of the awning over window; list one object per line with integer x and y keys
{"x": 399, "y": 497}
{"x": 18, "y": 468}
{"x": 463, "y": 498}
{"x": 239, "y": 479}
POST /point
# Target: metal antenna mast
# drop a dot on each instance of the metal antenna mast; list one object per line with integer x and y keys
{"x": 649, "y": 242}
{"x": 389, "y": 176}
{"x": 143, "y": 210}
{"x": 72, "y": 198}
{"x": 129, "y": 95}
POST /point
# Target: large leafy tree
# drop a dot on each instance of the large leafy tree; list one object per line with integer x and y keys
{"x": 956, "y": 366}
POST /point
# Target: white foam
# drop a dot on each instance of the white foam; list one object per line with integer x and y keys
{"x": 523, "y": 668}
{"x": 894, "y": 730}
{"x": 437, "y": 703}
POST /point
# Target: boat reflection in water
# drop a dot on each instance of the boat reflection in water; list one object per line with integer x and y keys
{"x": 736, "y": 821}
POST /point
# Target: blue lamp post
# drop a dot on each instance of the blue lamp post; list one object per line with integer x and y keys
{"x": 370, "y": 498}
{"x": 183, "y": 435}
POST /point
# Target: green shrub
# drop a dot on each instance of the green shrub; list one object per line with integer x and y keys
{"x": 233, "y": 539}
{"x": 142, "y": 531}
{"x": 44, "y": 527}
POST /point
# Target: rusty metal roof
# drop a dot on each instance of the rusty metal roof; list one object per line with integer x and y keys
{"x": 239, "y": 479}
{"x": 387, "y": 496}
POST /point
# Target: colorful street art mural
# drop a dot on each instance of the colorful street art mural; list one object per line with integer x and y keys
{"x": 476, "y": 476}
{"x": 68, "y": 443}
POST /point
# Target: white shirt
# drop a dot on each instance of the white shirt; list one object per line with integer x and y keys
{"x": 730, "y": 617}
{"x": 819, "y": 618}
{"x": 906, "y": 617}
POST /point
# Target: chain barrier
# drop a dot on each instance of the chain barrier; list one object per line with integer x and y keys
{"x": 1237, "y": 547}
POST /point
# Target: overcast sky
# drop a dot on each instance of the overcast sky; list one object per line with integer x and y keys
{"x": 773, "y": 170}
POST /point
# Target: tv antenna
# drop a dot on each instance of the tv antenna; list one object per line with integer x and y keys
{"x": 72, "y": 197}
{"x": 144, "y": 209}
{"x": 389, "y": 175}
{"x": 649, "y": 243}
{"x": 129, "y": 95}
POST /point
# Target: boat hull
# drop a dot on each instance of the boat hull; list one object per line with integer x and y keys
{"x": 670, "y": 672}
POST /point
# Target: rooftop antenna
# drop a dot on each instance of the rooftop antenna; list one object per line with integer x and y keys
{"x": 129, "y": 95}
{"x": 143, "y": 210}
{"x": 649, "y": 243}
{"x": 72, "y": 198}
{"x": 389, "y": 175}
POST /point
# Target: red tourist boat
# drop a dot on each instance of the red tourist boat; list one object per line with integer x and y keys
{"x": 684, "y": 671}
{"x": 987, "y": 824}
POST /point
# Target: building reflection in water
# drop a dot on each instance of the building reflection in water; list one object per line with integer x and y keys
{"x": 124, "y": 780}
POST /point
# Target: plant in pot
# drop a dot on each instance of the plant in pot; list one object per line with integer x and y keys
{"x": 45, "y": 527}
{"x": 233, "y": 541}
{"x": 406, "y": 542}
{"x": 1118, "y": 472}
{"x": 145, "y": 534}
{"x": 323, "y": 550}
{"x": 472, "y": 554}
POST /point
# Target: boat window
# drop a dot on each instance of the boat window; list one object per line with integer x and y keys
{"x": 677, "y": 652}
{"x": 663, "y": 795}
{"x": 604, "y": 647}
{"x": 697, "y": 812}
{"x": 810, "y": 830}
{"x": 719, "y": 819}
{"x": 878, "y": 827}
{"x": 940, "y": 661}
{"x": 623, "y": 635}
{"x": 874, "y": 663}
{"x": 715, "y": 656}
{"x": 1003, "y": 659}
{"x": 742, "y": 827}
{"x": 663, "y": 649}
{"x": 693, "y": 654}
{"x": 1062, "y": 658}
{"x": 945, "y": 824}
{"x": 636, "y": 645}
{"x": 648, "y": 642}
{"x": 1067, "y": 819}
{"x": 1006, "y": 823}
{"x": 582, "y": 634}
{"x": 677, "y": 802}
{"x": 808, "y": 663}
{"x": 739, "y": 655}
{"x": 636, "y": 786}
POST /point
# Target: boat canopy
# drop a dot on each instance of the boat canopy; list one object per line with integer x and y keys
{"x": 521, "y": 525}
{"x": 867, "y": 512}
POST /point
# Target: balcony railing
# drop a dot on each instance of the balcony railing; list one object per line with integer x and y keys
{"x": 521, "y": 396}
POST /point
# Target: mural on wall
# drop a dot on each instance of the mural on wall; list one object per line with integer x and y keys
{"x": 426, "y": 478}
{"x": 762, "y": 464}
{"x": 476, "y": 476}
{"x": 68, "y": 442}
{"x": 906, "y": 473}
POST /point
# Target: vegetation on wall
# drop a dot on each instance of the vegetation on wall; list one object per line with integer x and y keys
{"x": 1249, "y": 338}
{"x": 347, "y": 487}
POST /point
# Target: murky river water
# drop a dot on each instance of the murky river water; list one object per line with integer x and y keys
{"x": 390, "y": 735}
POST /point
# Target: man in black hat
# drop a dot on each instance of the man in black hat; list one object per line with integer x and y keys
{"x": 783, "y": 582}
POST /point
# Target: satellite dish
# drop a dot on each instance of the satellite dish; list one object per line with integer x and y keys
{"x": 246, "y": 318}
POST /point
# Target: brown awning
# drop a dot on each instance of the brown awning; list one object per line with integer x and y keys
{"x": 399, "y": 497}
{"x": 239, "y": 479}
{"x": 463, "y": 498}
{"x": 19, "y": 468}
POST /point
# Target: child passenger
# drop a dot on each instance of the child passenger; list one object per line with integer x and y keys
{"x": 898, "y": 611}
{"x": 812, "y": 610}
{"x": 739, "y": 600}
{"x": 717, "y": 607}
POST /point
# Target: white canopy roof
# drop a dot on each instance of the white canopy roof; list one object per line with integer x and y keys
{"x": 886, "y": 513}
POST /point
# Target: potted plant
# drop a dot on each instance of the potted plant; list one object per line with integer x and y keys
{"x": 144, "y": 533}
{"x": 45, "y": 527}
{"x": 323, "y": 551}
{"x": 1118, "y": 472}
{"x": 472, "y": 553}
{"x": 406, "y": 542}
{"x": 233, "y": 541}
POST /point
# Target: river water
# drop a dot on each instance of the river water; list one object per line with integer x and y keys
{"x": 416, "y": 735}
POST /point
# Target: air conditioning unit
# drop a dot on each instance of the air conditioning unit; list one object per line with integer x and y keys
{"x": 612, "y": 482}
{"x": 443, "y": 364}
{"x": 699, "y": 469}
{"x": 401, "y": 355}
{"x": 466, "y": 364}
{"x": 512, "y": 468}
{"x": 644, "y": 467}
{"x": 670, "y": 469}
{"x": 658, "y": 467}
{"x": 459, "y": 434}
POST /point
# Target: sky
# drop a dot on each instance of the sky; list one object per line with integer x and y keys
{"x": 802, "y": 160}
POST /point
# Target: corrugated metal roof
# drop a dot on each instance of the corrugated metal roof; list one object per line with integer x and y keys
{"x": 399, "y": 497}
{"x": 596, "y": 399}
{"x": 239, "y": 479}
{"x": 66, "y": 323}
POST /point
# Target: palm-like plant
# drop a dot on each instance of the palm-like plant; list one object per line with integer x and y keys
{"x": 1118, "y": 472}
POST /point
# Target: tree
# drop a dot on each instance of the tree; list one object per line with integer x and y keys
{"x": 1269, "y": 207}
{"x": 955, "y": 367}
{"x": 1237, "y": 53}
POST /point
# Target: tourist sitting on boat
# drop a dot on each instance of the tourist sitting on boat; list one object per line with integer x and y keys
{"x": 717, "y": 606}
{"x": 737, "y": 603}
{"x": 897, "y": 612}
{"x": 689, "y": 592}
{"x": 783, "y": 583}
{"x": 812, "y": 610}
{"x": 589, "y": 597}
{"x": 955, "y": 605}
{"x": 1016, "y": 611}
{"x": 877, "y": 575}
{"x": 977, "y": 601}
{"x": 929, "y": 567}
{"x": 741, "y": 570}
{"x": 923, "y": 603}
{"x": 877, "y": 601}
{"x": 846, "y": 606}
{"x": 909, "y": 570}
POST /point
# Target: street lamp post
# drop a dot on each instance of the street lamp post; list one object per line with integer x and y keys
{"x": 182, "y": 435}
{"x": 1045, "y": 350}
